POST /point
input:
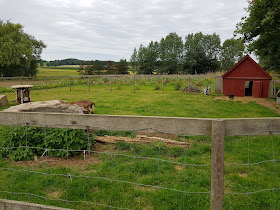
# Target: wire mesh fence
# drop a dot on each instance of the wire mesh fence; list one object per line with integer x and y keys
{"x": 252, "y": 178}
{"x": 134, "y": 83}
{"x": 122, "y": 176}
{"x": 135, "y": 176}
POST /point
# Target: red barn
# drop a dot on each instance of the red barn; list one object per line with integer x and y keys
{"x": 246, "y": 78}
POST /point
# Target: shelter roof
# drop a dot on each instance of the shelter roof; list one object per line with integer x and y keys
{"x": 257, "y": 71}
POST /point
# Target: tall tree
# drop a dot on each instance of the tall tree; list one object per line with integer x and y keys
{"x": 134, "y": 61}
{"x": 121, "y": 67}
{"x": 261, "y": 31}
{"x": 110, "y": 68}
{"x": 19, "y": 52}
{"x": 231, "y": 52}
{"x": 170, "y": 53}
{"x": 201, "y": 53}
{"x": 148, "y": 58}
{"x": 93, "y": 68}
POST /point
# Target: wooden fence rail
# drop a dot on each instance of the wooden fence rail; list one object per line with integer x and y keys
{"x": 217, "y": 128}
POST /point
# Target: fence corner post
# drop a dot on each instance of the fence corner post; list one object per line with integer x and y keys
{"x": 217, "y": 164}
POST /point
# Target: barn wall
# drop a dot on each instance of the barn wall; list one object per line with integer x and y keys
{"x": 237, "y": 86}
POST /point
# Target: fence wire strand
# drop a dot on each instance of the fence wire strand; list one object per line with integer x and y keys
{"x": 89, "y": 151}
{"x": 250, "y": 163}
{"x": 134, "y": 157}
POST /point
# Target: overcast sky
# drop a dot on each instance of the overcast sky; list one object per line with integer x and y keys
{"x": 111, "y": 29}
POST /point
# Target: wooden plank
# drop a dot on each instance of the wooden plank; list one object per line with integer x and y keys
{"x": 251, "y": 126}
{"x": 218, "y": 85}
{"x": 217, "y": 164}
{"x": 173, "y": 125}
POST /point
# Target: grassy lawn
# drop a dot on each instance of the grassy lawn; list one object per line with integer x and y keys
{"x": 103, "y": 171}
{"x": 97, "y": 186}
{"x": 150, "y": 102}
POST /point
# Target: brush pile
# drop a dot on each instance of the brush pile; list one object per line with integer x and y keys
{"x": 191, "y": 89}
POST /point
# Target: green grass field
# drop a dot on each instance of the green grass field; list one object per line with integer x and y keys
{"x": 147, "y": 101}
{"x": 63, "y": 71}
{"x": 96, "y": 183}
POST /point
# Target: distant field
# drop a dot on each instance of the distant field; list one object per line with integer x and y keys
{"x": 71, "y": 66}
{"x": 67, "y": 67}
{"x": 56, "y": 72}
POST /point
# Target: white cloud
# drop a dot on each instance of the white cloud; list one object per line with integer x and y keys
{"x": 110, "y": 29}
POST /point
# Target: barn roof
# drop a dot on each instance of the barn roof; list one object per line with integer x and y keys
{"x": 247, "y": 58}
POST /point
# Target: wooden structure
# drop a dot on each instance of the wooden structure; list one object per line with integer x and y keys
{"x": 247, "y": 78}
{"x": 23, "y": 93}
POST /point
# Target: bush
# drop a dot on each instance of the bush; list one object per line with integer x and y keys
{"x": 157, "y": 87}
{"x": 26, "y": 142}
{"x": 178, "y": 85}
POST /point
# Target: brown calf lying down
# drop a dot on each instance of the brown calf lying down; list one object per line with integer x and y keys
{"x": 87, "y": 104}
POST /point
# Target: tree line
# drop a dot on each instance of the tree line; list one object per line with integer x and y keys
{"x": 72, "y": 61}
{"x": 198, "y": 53}
{"x": 97, "y": 67}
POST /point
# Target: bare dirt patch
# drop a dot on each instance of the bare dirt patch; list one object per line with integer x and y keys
{"x": 143, "y": 188}
{"x": 244, "y": 175}
{"x": 8, "y": 84}
{"x": 261, "y": 101}
{"x": 179, "y": 168}
{"x": 55, "y": 194}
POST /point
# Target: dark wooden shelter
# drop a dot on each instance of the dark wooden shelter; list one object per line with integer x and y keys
{"x": 246, "y": 78}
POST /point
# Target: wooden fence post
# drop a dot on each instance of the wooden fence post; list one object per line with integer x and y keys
{"x": 134, "y": 83}
{"x": 162, "y": 85}
{"x": 70, "y": 82}
{"x": 217, "y": 164}
{"x": 88, "y": 84}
